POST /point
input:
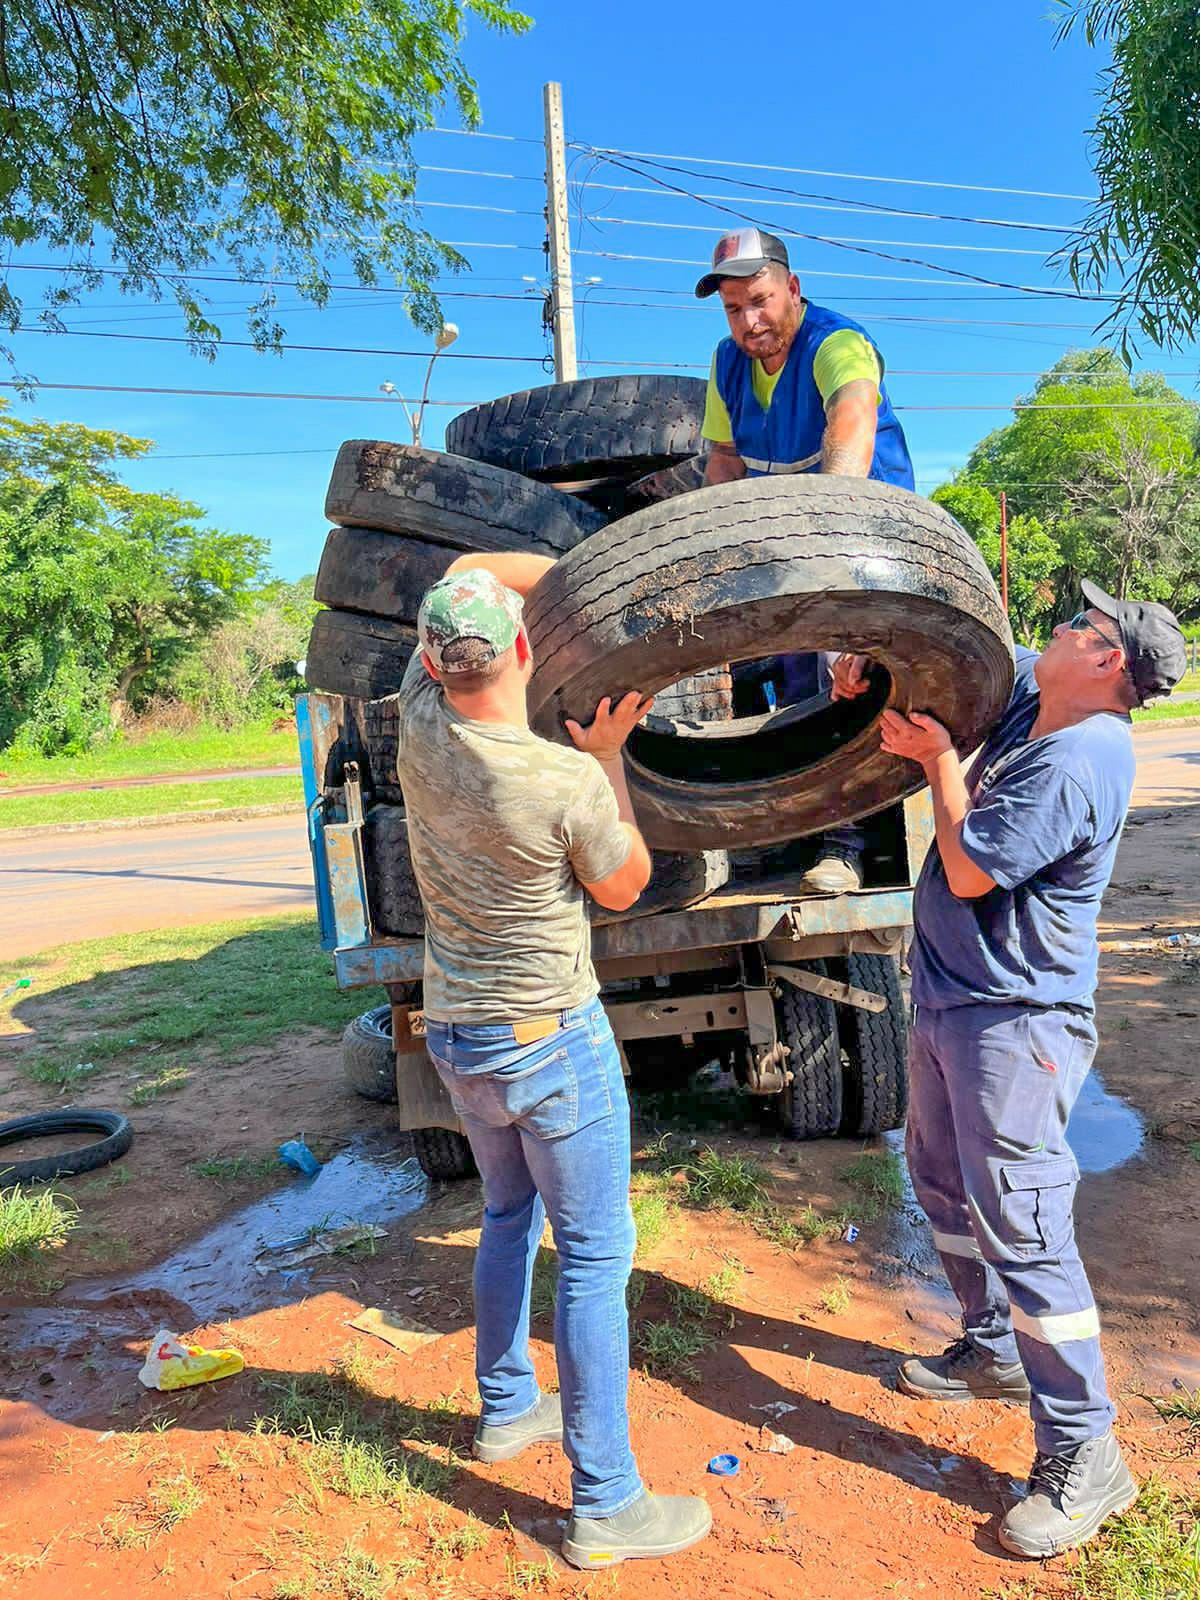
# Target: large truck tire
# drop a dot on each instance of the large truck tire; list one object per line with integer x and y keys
{"x": 875, "y": 1090}
{"x": 443, "y": 1154}
{"x": 624, "y": 426}
{"x": 392, "y": 892}
{"x": 453, "y": 501}
{"x": 766, "y": 566}
{"x": 363, "y": 657}
{"x": 381, "y": 733}
{"x": 683, "y": 478}
{"x": 676, "y": 881}
{"x": 368, "y": 1056}
{"x": 810, "y": 1107}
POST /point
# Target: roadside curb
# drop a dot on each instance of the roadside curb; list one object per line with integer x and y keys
{"x": 167, "y": 819}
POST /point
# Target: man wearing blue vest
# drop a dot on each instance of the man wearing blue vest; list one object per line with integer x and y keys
{"x": 795, "y": 388}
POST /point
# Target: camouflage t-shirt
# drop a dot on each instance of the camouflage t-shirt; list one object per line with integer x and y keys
{"x": 503, "y": 828}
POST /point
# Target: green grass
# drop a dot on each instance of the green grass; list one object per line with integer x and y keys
{"x": 835, "y": 1298}
{"x": 205, "y": 749}
{"x": 174, "y": 1001}
{"x": 650, "y": 1200}
{"x": 238, "y": 1169}
{"x": 878, "y": 1176}
{"x": 1151, "y": 1553}
{"x": 713, "y": 1182}
{"x": 1182, "y": 1407}
{"x": 668, "y": 1347}
{"x": 162, "y": 799}
{"x": 33, "y": 1222}
{"x": 1164, "y": 711}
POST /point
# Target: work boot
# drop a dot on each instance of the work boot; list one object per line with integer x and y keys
{"x": 1071, "y": 1492}
{"x": 503, "y": 1441}
{"x": 964, "y": 1371}
{"x": 655, "y": 1525}
{"x": 835, "y": 871}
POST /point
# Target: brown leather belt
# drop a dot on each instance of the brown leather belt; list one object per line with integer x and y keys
{"x": 536, "y": 1028}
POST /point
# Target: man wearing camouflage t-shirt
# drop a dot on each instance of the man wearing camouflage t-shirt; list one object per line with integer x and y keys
{"x": 507, "y": 833}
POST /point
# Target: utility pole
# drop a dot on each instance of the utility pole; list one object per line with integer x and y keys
{"x": 558, "y": 236}
{"x": 1004, "y": 551}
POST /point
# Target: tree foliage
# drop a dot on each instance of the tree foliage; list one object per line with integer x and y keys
{"x": 269, "y": 138}
{"x": 106, "y": 591}
{"x": 1145, "y": 227}
{"x": 1102, "y": 481}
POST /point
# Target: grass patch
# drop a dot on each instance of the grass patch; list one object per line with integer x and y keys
{"x": 33, "y": 1222}
{"x": 878, "y": 1176}
{"x": 651, "y": 1204}
{"x": 835, "y": 1298}
{"x": 1183, "y": 711}
{"x": 1182, "y": 1407}
{"x": 60, "y": 1075}
{"x": 146, "y": 1520}
{"x": 156, "y": 800}
{"x": 713, "y": 1182}
{"x": 204, "y": 749}
{"x": 668, "y": 1347}
{"x": 1150, "y": 1553}
{"x": 198, "y": 998}
{"x": 544, "y": 1291}
{"x": 237, "y": 1169}
{"x": 352, "y": 1574}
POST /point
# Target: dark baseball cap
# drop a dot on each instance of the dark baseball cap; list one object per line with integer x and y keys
{"x": 741, "y": 255}
{"x": 1151, "y": 637}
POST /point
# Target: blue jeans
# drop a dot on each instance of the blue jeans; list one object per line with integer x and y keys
{"x": 990, "y": 1091}
{"x": 548, "y": 1124}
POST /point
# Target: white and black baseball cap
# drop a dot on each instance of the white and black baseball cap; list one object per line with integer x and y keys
{"x": 741, "y": 255}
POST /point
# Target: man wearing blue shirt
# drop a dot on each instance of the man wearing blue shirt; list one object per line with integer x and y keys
{"x": 1004, "y": 974}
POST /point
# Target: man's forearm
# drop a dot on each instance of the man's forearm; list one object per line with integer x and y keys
{"x": 614, "y": 771}
{"x": 515, "y": 570}
{"x": 848, "y": 445}
{"x": 724, "y": 465}
{"x": 951, "y": 802}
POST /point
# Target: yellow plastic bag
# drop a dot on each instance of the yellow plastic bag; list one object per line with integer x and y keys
{"x": 171, "y": 1364}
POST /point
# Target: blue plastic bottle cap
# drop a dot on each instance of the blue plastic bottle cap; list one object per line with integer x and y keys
{"x": 724, "y": 1466}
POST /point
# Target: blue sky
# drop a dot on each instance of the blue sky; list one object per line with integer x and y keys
{"x": 970, "y": 96}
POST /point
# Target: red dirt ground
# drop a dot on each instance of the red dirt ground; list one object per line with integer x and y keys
{"x": 882, "y": 1497}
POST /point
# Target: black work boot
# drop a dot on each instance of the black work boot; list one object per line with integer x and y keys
{"x": 502, "y": 1441}
{"x": 1071, "y": 1492}
{"x": 964, "y": 1371}
{"x": 654, "y": 1525}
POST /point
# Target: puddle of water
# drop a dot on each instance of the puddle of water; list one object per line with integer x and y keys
{"x": 215, "y": 1275}
{"x": 1104, "y": 1131}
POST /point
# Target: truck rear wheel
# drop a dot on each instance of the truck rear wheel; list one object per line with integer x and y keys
{"x": 875, "y": 1090}
{"x": 443, "y": 1153}
{"x": 810, "y": 1107}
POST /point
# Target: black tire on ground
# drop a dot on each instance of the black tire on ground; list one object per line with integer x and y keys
{"x": 450, "y": 500}
{"x": 443, "y": 1153}
{"x": 593, "y": 428}
{"x": 758, "y": 567}
{"x": 392, "y": 891}
{"x": 115, "y": 1128}
{"x": 360, "y": 656}
{"x": 368, "y": 1057}
{"x": 676, "y": 881}
{"x": 875, "y": 1089}
{"x": 810, "y": 1107}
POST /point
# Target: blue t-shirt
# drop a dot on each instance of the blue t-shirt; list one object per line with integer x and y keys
{"x": 1045, "y": 820}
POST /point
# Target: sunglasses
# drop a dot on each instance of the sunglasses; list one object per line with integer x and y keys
{"x": 1081, "y": 621}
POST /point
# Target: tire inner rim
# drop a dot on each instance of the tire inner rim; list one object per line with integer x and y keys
{"x": 777, "y": 744}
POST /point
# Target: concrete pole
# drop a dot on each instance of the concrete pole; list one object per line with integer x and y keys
{"x": 562, "y": 296}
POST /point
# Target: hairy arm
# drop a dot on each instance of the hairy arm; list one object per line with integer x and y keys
{"x": 919, "y": 738}
{"x": 605, "y": 738}
{"x": 514, "y": 570}
{"x": 850, "y": 419}
{"x": 724, "y": 465}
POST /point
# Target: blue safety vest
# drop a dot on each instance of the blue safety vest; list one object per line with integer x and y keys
{"x": 787, "y": 436}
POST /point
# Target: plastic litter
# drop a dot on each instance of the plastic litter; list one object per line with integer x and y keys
{"x": 21, "y": 983}
{"x": 285, "y": 1253}
{"x": 295, "y": 1153}
{"x": 724, "y": 1466}
{"x": 171, "y": 1364}
{"x": 776, "y": 1409}
{"x": 851, "y": 1233}
{"x": 775, "y": 1444}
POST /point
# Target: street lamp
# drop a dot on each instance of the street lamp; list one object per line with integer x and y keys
{"x": 444, "y": 338}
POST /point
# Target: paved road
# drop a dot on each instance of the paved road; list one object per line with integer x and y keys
{"x": 83, "y": 885}
{"x": 61, "y": 887}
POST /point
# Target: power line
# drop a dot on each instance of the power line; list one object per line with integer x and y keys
{"x": 699, "y": 227}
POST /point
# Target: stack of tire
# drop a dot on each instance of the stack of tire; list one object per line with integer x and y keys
{"x": 539, "y": 472}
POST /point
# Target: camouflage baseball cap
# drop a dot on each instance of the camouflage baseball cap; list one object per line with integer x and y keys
{"x": 468, "y": 619}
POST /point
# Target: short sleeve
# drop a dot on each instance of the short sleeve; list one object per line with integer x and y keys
{"x": 844, "y": 357}
{"x": 1035, "y": 815}
{"x": 597, "y": 842}
{"x": 717, "y": 427}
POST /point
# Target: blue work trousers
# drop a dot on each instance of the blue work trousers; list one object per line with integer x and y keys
{"x": 991, "y": 1088}
{"x": 548, "y": 1124}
